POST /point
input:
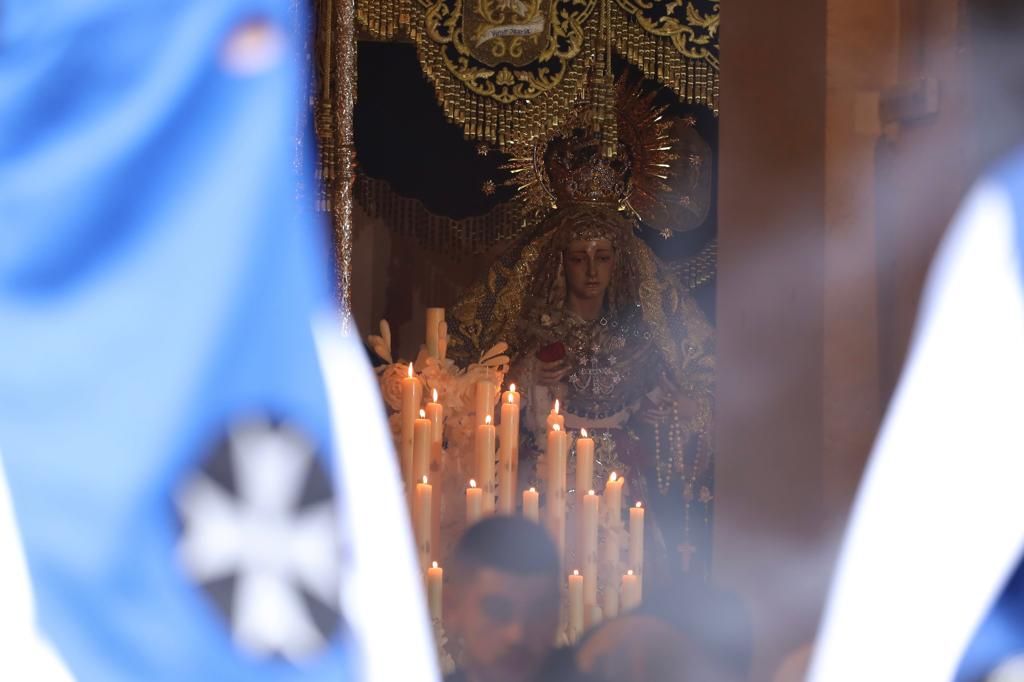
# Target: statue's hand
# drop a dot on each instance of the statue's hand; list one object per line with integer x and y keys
{"x": 552, "y": 373}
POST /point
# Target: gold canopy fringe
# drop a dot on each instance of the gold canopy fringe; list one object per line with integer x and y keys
{"x": 458, "y": 239}
{"x": 502, "y": 123}
{"x": 694, "y": 79}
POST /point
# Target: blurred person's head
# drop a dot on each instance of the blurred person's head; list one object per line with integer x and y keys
{"x": 639, "y": 647}
{"x": 503, "y": 599}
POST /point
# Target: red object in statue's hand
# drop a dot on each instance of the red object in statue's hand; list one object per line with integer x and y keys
{"x": 553, "y": 352}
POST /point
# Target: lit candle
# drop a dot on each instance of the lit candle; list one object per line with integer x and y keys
{"x": 421, "y": 446}
{"x": 484, "y": 401}
{"x": 555, "y": 417}
{"x": 411, "y": 394}
{"x": 474, "y": 503}
{"x": 613, "y": 526}
{"x": 636, "y": 542}
{"x": 556, "y": 470}
{"x": 485, "y": 462}
{"x": 531, "y": 505}
{"x": 435, "y": 583}
{"x": 630, "y": 591}
{"x": 435, "y": 413}
{"x": 435, "y": 318}
{"x": 575, "y": 606}
{"x": 613, "y": 500}
{"x": 507, "y": 455}
{"x": 511, "y": 395}
{"x": 584, "y": 463}
{"x": 588, "y": 547}
{"x": 421, "y": 521}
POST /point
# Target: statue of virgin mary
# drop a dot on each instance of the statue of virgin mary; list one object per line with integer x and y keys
{"x": 595, "y": 320}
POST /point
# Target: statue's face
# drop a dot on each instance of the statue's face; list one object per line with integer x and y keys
{"x": 588, "y": 267}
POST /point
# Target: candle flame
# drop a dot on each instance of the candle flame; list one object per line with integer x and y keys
{"x": 614, "y": 477}
{"x": 556, "y": 427}
{"x": 423, "y": 414}
{"x": 638, "y": 505}
{"x": 487, "y": 419}
{"x": 424, "y": 480}
{"x": 472, "y": 483}
{"x": 435, "y": 564}
{"x": 591, "y": 492}
{"x": 532, "y": 489}
{"x": 629, "y": 572}
{"x": 435, "y": 395}
{"x": 512, "y": 388}
{"x": 556, "y": 403}
{"x": 575, "y": 571}
{"x": 511, "y": 398}
{"x": 410, "y": 370}
{"x": 583, "y": 432}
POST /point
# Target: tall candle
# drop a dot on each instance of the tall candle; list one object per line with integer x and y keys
{"x": 556, "y": 470}
{"x": 421, "y": 446}
{"x": 435, "y": 584}
{"x": 435, "y": 317}
{"x": 512, "y": 396}
{"x": 507, "y": 456}
{"x": 636, "y": 542}
{"x": 613, "y": 500}
{"x": 611, "y": 570}
{"x": 435, "y": 413}
{"x": 474, "y": 503}
{"x": 555, "y": 417}
{"x": 630, "y": 591}
{"x": 588, "y": 546}
{"x": 421, "y": 521}
{"x": 485, "y": 462}
{"x": 584, "y": 463}
{"x": 411, "y": 394}
{"x": 575, "y": 606}
{"x": 484, "y": 401}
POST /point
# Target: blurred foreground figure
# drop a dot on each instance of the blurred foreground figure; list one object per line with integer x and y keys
{"x": 173, "y": 395}
{"x": 929, "y": 585}
{"x": 503, "y": 604}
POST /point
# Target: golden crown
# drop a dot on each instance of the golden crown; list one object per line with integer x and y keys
{"x": 578, "y": 172}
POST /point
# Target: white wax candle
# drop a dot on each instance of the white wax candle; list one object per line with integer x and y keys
{"x": 485, "y": 462}
{"x": 555, "y": 503}
{"x": 435, "y": 585}
{"x": 511, "y": 395}
{"x": 484, "y": 401}
{"x": 435, "y": 413}
{"x": 507, "y": 454}
{"x": 584, "y": 463}
{"x": 411, "y": 394}
{"x": 630, "y": 591}
{"x": 611, "y": 570}
{"x": 556, "y": 417}
{"x": 636, "y": 542}
{"x": 421, "y": 521}
{"x": 421, "y": 446}
{"x": 588, "y": 546}
{"x": 531, "y": 505}
{"x": 474, "y": 503}
{"x": 575, "y": 606}
{"x": 613, "y": 500}
{"x": 435, "y": 317}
